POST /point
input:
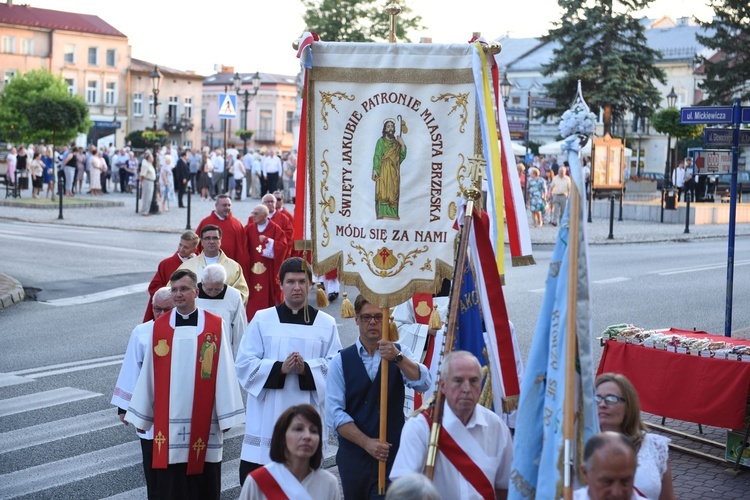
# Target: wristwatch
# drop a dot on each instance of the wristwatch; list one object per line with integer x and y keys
{"x": 399, "y": 357}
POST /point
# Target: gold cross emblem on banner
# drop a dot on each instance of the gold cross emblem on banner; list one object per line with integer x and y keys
{"x": 159, "y": 439}
{"x": 259, "y": 248}
{"x": 258, "y": 287}
{"x": 199, "y": 446}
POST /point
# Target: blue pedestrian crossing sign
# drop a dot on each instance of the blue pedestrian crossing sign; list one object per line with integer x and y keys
{"x": 227, "y": 106}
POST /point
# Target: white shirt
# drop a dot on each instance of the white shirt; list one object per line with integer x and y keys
{"x": 232, "y": 311}
{"x": 490, "y": 436}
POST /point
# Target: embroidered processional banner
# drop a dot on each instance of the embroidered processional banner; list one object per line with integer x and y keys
{"x": 391, "y": 131}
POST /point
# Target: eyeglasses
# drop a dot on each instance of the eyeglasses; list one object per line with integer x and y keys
{"x": 609, "y": 399}
{"x": 369, "y": 317}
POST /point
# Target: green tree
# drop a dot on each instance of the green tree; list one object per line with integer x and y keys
{"x": 36, "y": 107}
{"x": 357, "y": 20}
{"x": 727, "y": 74}
{"x": 667, "y": 121}
{"x": 604, "y": 46}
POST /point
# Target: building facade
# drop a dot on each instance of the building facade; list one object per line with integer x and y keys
{"x": 179, "y": 102}
{"x": 270, "y": 113}
{"x": 91, "y": 56}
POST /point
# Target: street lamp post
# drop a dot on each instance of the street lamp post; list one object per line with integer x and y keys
{"x": 247, "y": 98}
{"x": 155, "y": 80}
{"x": 211, "y": 137}
{"x": 505, "y": 88}
{"x": 671, "y": 100}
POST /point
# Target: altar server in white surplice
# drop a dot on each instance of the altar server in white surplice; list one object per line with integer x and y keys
{"x": 283, "y": 361}
{"x": 138, "y": 344}
{"x": 215, "y": 296}
{"x": 188, "y": 391}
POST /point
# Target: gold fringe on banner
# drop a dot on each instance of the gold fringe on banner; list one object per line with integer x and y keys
{"x": 435, "y": 322}
{"x": 510, "y": 403}
{"x": 523, "y": 260}
{"x": 347, "y": 309}
{"x": 392, "y": 330}
{"x": 321, "y": 297}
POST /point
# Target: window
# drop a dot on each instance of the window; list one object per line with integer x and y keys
{"x": 172, "y": 109}
{"x": 9, "y": 44}
{"x": 188, "y": 145}
{"x": 70, "y": 53}
{"x": 289, "y": 122}
{"x": 188, "y": 107}
{"x": 93, "y": 56}
{"x": 151, "y": 105}
{"x": 71, "y": 83}
{"x": 138, "y": 104}
{"x": 110, "y": 93}
{"x": 9, "y": 75}
{"x": 27, "y": 46}
{"x": 92, "y": 92}
{"x": 265, "y": 125}
{"x": 111, "y": 58}
{"x": 203, "y": 120}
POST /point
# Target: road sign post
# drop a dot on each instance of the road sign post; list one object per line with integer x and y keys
{"x": 724, "y": 115}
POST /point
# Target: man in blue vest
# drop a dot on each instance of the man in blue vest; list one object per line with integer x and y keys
{"x": 353, "y": 401}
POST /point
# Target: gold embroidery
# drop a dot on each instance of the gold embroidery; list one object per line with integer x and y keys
{"x": 199, "y": 446}
{"x": 258, "y": 268}
{"x": 258, "y": 287}
{"x": 162, "y": 348}
{"x": 422, "y": 309}
{"x": 159, "y": 439}
{"x": 326, "y": 99}
{"x": 327, "y": 204}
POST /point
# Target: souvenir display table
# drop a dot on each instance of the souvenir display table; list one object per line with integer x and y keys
{"x": 688, "y": 378}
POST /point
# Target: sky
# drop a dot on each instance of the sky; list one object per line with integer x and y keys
{"x": 257, "y": 35}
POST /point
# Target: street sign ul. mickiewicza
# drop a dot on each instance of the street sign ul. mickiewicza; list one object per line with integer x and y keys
{"x": 718, "y": 137}
{"x": 706, "y": 114}
{"x": 539, "y": 102}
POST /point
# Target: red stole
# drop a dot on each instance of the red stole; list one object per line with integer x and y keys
{"x": 204, "y": 390}
{"x": 263, "y": 279}
{"x": 463, "y": 462}
{"x": 423, "y": 319}
{"x": 268, "y": 484}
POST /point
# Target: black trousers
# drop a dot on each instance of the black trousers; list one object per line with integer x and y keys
{"x": 147, "y": 450}
{"x": 173, "y": 483}
{"x": 273, "y": 182}
{"x": 124, "y": 179}
{"x": 181, "y": 188}
{"x": 246, "y": 468}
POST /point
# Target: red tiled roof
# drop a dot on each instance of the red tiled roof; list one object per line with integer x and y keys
{"x": 145, "y": 67}
{"x": 23, "y": 15}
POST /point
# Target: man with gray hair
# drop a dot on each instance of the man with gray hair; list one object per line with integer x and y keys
{"x": 412, "y": 487}
{"x": 609, "y": 464}
{"x": 215, "y": 296}
{"x": 138, "y": 344}
{"x": 472, "y": 438}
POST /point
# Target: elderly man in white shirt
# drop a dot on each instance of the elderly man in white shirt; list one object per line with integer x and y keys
{"x": 215, "y": 296}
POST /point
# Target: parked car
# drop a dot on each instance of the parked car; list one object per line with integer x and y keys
{"x": 723, "y": 184}
{"x": 657, "y": 176}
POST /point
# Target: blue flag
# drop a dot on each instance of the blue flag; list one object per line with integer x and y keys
{"x": 537, "y": 469}
{"x": 469, "y": 336}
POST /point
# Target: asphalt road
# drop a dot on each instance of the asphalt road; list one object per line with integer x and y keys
{"x": 60, "y": 438}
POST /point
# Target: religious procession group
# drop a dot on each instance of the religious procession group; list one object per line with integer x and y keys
{"x": 179, "y": 385}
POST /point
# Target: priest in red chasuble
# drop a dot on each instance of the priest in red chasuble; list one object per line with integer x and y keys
{"x": 281, "y": 220}
{"x": 232, "y": 232}
{"x": 267, "y": 245}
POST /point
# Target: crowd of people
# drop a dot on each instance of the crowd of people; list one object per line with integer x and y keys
{"x": 229, "y": 312}
{"x": 170, "y": 171}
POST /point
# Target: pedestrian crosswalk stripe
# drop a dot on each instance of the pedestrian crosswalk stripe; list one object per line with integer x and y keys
{"x": 60, "y": 429}
{"x": 39, "y": 400}
{"x": 62, "y": 472}
{"x": 8, "y": 379}
{"x": 29, "y": 371}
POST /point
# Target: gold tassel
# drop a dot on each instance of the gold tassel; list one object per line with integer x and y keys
{"x": 392, "y": 330}
{"x": 435, "y": 322}
{"x": 322, "y": 299}
{"x": 523, "y": 260}
{"x": 347, "y": 309}
{"x": 510, "y": 403}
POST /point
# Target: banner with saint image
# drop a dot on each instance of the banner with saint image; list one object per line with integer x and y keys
{"x": 392, "y": 130}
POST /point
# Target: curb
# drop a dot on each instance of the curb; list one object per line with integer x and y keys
{"x": 11, "y": 291}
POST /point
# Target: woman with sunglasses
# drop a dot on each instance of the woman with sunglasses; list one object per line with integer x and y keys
{"x": 619, "y": 411}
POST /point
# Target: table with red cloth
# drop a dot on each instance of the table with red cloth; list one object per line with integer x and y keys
{"x": 687, "y": 387}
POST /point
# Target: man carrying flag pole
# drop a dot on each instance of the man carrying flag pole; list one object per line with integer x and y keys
{"x": 548, "y": 443}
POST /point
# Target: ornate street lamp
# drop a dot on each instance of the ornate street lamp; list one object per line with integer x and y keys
{"x": 211, "y": 137}
{"x": 155, "y": 80}
{"x": 248, "y": 96}
{"x": 671, "y": 101}
{"x": 505, "y": 87}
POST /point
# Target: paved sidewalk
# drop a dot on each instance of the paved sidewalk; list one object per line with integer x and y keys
{"x": 124, "y": 217}
{"x": 11, "y": 291}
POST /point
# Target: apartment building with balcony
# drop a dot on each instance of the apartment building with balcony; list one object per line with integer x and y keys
{"x": 90, "y": 54}
{"x": 179, "y": 102}
{"x": 270, "y": 113}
